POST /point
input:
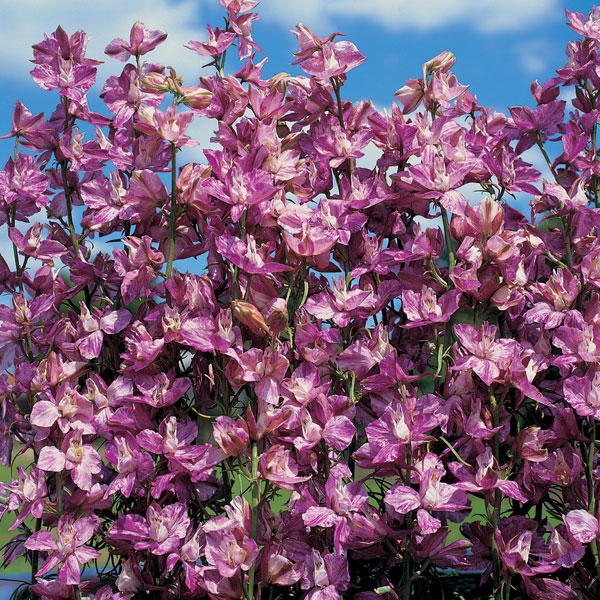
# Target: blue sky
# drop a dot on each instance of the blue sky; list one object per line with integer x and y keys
{"x": 501, "y": 46}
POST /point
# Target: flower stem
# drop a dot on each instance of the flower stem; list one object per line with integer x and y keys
{"x": 451, "y": 257}
{"x": 497, "y": 499}
{"x": 592, "y": 504}
{"x": 71, "y": 226}
{"x": 255, "y": 506}
{"x": 35, "y": 554}
{"x": 406, "y": 579}
{"x": 173, "y": 214}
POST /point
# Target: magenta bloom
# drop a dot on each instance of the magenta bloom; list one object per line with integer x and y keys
{"x": 324, "y": 58}
{"x": 583, "y": 526}
{"x": 433, "y": 495}
{"x": 161, "y": 532}
{"x": 29, "y": 489}
{"x": 68, "y": 409}
{"x": 341, "y": 304}
{"x": 141, "y": 41}
{"x": 325, "y": 575}
{"x": 425, "y": 308}
{"x": 81, "y": 460}
{"x": 231, "y": 436}
{"x": 69, "y": 550}
{"x": 278, "y": 466}
{"x": 266, "y": 370}
{"x": 347, "y": 511}
{"x": 486, "y": 356}
{"x": 583, "y": 393}
{"x": 134, "y": 465}
{"x": 485, "y": 477}
{"x": 228, "y": 546}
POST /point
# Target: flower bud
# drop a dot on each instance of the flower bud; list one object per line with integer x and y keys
{"x": 196, "y": 97}
{"x": 276, "y": 315}
{"x": 442, "y": 62}
{"x": 156, "y": 81}
{"x": 249, "y": 315}
{"x": 231, "y": 436}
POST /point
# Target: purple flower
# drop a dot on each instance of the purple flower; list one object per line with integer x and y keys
{"x": 161, "y": 531}
{"x": 433, "y": 495}
{"x": 341, "y": 304}
{"x": 69, "y": 550}
{"x": 29, "y": 489}
{"x": 141, "y": 41}
{"x": 81, "y": 460}
{"x": 583, "y": 393}
{"x": 347, "y": 511}
{"x": 486, "y": 356}
{"x": 582, "y": 526}
{"x": 325, "y": 575}
{"x": 134, "y": 465}
{"x": 228, "y": 546}
{"x": 424, "y": 308}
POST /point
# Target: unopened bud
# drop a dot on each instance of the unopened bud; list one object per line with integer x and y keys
{"x": 231, "y": 436}
{"x": 249, "y": 315}
{"x": 156, "y": 81}
{"x": 276, "y": 314}
{"x": 196, "y": 97}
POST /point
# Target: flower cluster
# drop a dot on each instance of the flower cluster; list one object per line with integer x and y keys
{"x": 365, "y": 366}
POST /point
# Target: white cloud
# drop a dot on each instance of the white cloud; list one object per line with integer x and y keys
{"x": 24, "y": 23}
{"x": 483, "y": 15}
{"x": 534, "y": 56}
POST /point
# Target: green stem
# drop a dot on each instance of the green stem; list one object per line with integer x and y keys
{"x": 497, "y": 498}
{"x": 451, "y": 257}
{"x": 592, "y": 504}
{"x": 506, "y": 587}
{"x": 59, "y": 493}
{"x": 406, "y": 579}
{"x": 255, "y": 507}
{"x": 546, "y": 157}
{"x": 340, "y": 115}
{"x": 71, "y": 226}
{"x": 173, "y": 214}
{"x": 35, "y": 553}
{"x": 566, "y": 222}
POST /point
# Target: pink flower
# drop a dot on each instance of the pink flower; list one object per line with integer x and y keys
{"x": 590, "y": 27}
{"x": 68, "y": 551}
{"x": 68, "y": 409}
{"x": 169, "y": 125}
{"x": 218, "y": 42}
{"x": 433, "y": 495}
{"x": 141, "y": 41}
{"x": 81, "y": 460}
{"x": 161, "y": 531}
{"x": 485, "y": 477}
{"x": 325, "y": 575}
{"x": 324, "y": 58}
{"x": 424, "y": 308}
{"x": 278, "y": 466}
{"x": 347, "y": 511}
{"x": 134, "y": 465}
{"x": 142, "y": 348}
{"x": 231, "y": 436}
{"x": 29, "y": 489}
{"x": 266, "y": 370}
{"x": 486, "y": 356}
{"x": 583, "y": 393}
{"x": 341, "y": 305}
{"x": 228, "y": 546}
